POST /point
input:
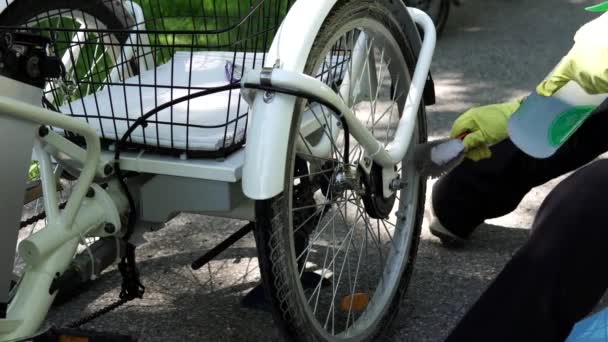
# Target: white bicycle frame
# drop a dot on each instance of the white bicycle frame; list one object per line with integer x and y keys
{"x": 264, "y": 170}
{"x": 49, "y": 251}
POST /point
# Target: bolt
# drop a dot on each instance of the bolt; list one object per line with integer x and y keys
{"x": 108, "y": 169}
{"x": 43, "y": 131}
{"x": 397, "y": 184}
{"x": 8, "y": 40}
{"x": 367, "y": 161}
{"x": 400, "y": 215}
{"x": 339, "y": 124}
{"x": 109, "y": 228}
{"x": 91, "y": 193}
{"x": 268, "y": 97}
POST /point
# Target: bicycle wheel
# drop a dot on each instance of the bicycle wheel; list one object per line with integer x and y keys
{"x": 438, "y": 10}
{"x": 60, "y": 20}
{"x": 335, "y": 254}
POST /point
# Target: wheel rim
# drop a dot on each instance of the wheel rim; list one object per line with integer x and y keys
{"x": 339, "y": 247}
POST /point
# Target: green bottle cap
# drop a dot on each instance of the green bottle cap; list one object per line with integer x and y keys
{"x": 598, "y": 8}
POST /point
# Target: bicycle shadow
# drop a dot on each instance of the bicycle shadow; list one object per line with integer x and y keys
{"x": 207, "y": 302}
{"x": 180, "y": 302}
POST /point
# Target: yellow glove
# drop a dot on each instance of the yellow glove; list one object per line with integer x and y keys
{"x": 483, "y": 126}
{"x": 586, "y": 64}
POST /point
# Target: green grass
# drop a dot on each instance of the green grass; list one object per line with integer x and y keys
{"x": 34, "y": 171}
{"x": 196, "y": 16}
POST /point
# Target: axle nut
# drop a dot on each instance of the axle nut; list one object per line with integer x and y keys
{"x": 109, "y": 228}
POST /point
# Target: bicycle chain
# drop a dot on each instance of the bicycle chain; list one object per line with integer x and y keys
{"x": 38, "y": 217}
{"x": 97, "y": 314}
{"x": 131, "y": 286}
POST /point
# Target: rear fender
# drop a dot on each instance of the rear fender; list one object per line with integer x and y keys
{"x": 268, "y": 131}
{"x": 270, "y": 123}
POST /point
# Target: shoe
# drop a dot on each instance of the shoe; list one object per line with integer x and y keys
{"x": 447, "y": 238}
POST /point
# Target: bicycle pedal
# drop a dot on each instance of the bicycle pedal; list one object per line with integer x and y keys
{"x": 77, "y": 335}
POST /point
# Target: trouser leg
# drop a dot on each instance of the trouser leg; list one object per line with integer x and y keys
{"x": 558, "y": 276}
{"x": 476, "y": 191}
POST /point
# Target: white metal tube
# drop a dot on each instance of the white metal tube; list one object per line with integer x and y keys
{"x": 21, "y": 110}
{"x": 49, "y": 187}
{"x": 395, "y": 152}
{"x": 400, "y": 145}
{"x": 41, "y": 244}
{"x": 144, "y": 52}
{"x": 71, "y": 55}
{"x": 311, "y": 86}
{"x": 32, "y": 301}
{"x": 103, "y": 207}
{"x": 63, "y": 149}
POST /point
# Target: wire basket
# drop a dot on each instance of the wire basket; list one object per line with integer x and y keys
{"x": 128, "y": 58}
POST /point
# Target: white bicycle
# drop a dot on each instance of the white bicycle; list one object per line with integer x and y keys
{"x": 297, "y": 116}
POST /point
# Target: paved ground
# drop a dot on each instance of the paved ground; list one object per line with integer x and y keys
{"x": 492, "y": 50}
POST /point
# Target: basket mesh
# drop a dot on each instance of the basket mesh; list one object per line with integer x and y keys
{"x": 124, "y": 59}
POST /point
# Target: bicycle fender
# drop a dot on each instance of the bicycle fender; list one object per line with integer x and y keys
{"x": 270, "y": 120}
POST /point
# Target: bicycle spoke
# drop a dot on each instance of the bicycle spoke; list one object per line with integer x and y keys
{"x": 352, "y": 251}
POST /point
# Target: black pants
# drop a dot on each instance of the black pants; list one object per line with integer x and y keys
{"x": 559, "y": 275}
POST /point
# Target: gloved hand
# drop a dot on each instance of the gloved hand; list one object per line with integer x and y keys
{"x": 484, "y": 126}
{"x": 586, "y": 63}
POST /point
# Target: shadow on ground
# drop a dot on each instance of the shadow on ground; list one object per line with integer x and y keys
{"x": 448, "y": 281}
{"x": 181, "y": 304}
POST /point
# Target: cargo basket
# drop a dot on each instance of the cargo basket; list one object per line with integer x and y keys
{"x": 124, "y": 59}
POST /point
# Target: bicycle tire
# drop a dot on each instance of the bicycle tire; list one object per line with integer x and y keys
{"x": 439, "y": 15}
{"x": 274, "y": 227}
{"x": 109, "y": 12}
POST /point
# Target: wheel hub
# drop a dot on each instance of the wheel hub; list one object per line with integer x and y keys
{"x": 337, "y": 178}
{"x": 376, "y": 204}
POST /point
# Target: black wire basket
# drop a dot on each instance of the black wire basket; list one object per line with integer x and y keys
{"x": 124, "y": 59}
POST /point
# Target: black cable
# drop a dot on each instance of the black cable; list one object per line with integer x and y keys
{"x": 141, "y": 121}
{"x": 232, "y": 86}
{"x": 314, "y": 98}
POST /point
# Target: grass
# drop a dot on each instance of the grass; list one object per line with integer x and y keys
{"x": 196, "y": 16}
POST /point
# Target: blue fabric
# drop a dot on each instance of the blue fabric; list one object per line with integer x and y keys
{"x": 592, "y": 329}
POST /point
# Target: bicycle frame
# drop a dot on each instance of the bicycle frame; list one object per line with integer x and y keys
{"x": 264, "y": 170}
{"x": 49, "y": 251}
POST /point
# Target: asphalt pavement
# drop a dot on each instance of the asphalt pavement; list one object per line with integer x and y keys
{"x": 491, "y": 51}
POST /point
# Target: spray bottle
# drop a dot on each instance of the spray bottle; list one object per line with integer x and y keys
{"x": 542, "y": 124}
